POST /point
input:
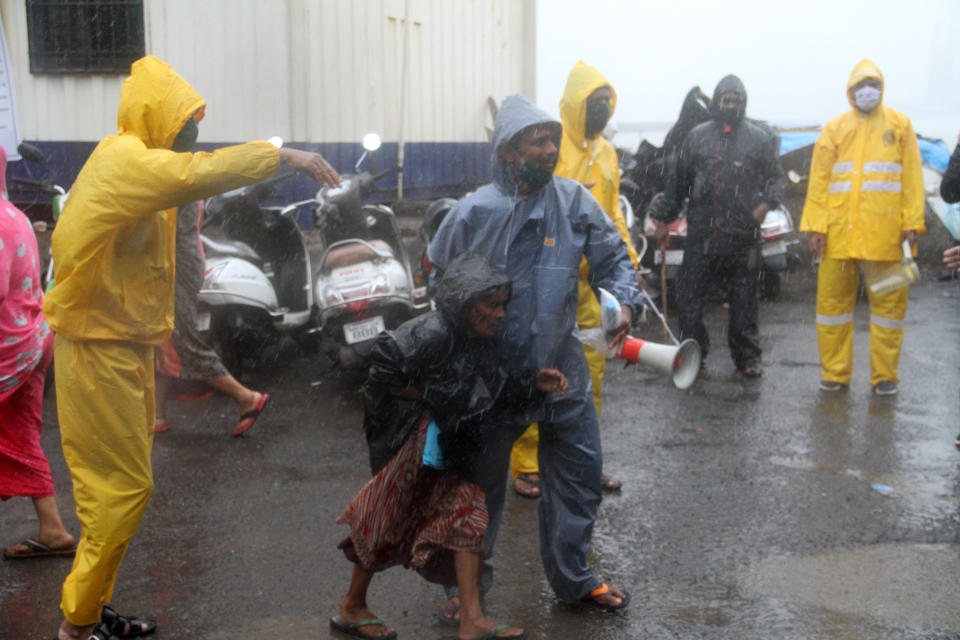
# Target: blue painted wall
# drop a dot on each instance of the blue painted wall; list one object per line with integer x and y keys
{"x": 433, "y": 170}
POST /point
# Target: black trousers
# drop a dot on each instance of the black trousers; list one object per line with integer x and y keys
{"x": 736, "y": 269}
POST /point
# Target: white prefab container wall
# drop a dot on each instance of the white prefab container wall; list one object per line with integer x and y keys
{"x": 308, "y": 70}
{"x": 315, "y": 72}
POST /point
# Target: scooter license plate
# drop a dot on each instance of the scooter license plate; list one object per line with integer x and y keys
{"x": 774, "y": 248}
{"x": 203, "y": 321}
{"x": 354, "y": 332}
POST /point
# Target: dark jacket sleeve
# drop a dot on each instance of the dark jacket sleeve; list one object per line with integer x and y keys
{"x": 773, "y": 185}
{"x": 679, "y": 183}
{"x": 950, "y": 184}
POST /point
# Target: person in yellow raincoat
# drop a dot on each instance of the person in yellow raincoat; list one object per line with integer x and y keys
{"x": 865, "y": 197}
{"x": 587, "y": 105}
{"x": 113, "y": 251}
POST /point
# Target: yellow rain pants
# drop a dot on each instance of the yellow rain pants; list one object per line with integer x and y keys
{"x": 837, "y": 285}
{"x": 105, "y": 401}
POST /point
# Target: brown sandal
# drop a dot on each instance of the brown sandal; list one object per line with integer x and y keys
{"x": 527, "y": 485}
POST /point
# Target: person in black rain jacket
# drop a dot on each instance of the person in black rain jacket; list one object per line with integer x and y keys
{"x": 729, "y": 169}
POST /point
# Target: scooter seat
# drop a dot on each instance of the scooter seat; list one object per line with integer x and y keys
{"x": 230, "y": 249}
{"x": 349, "y": 253}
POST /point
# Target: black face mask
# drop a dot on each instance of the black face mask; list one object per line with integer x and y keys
{"x": 730, "y": 115}
{"x": 598, "y": 113}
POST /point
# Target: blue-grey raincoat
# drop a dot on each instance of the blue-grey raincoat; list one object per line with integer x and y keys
{"x": 538, "y": 240}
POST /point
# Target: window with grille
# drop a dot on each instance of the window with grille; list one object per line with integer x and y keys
{"x": 84, "y": 36}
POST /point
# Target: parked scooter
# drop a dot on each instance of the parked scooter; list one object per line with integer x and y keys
{"x": 257, "y": 285}
{"x": 364, "y": 280}
{"x": 778, "y": 249}
{"x": 46, "y": 185}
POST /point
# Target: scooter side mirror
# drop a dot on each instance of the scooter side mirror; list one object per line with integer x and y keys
{"x": 30, "y": 152}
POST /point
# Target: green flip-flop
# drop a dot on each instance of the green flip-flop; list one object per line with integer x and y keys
{"x": 492, "y": 634}
{"x": 342, "y": 625}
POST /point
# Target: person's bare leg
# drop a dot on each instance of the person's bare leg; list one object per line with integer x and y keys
{"x": 354, "y": 607}
{"x": 473, "y": 624}
{"x": 69, "y": 631}
{"x": 162, "y": 391}
{"x": 246, "y": 398}
{"x": 52, "y": 532}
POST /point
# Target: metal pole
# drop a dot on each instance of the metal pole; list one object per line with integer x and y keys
{"x": 663, "y": 294}
{"x": 403, "y": 96}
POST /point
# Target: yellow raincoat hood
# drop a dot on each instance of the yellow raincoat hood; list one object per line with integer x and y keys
{"x": 864, "y": 69}
{"x": 582, "y": 81}
{"x": 590, "y": 161}
{"x": 155, "y": 103}
{"x": 113, "y": 247}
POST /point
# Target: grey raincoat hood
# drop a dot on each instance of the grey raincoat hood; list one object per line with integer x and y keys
{"x": 516, "y": 114}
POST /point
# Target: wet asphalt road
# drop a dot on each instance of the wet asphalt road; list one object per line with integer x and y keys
{"x": 747, "y": 510}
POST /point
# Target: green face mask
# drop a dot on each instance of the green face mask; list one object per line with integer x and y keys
{"x": 186, "y": 138}
{"x": 534, "y": 175}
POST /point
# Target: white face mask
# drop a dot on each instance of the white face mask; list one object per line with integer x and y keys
{"x": 867, "y": 98}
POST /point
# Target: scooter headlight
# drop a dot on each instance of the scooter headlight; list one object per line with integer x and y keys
{"x": 381, "y": 285}
{"x": 332, "y": 296}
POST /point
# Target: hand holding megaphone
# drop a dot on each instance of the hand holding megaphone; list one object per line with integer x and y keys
{"x": 681, "y": 361}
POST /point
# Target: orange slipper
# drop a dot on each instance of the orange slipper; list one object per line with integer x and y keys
{"x": 248, "y": 418}
{"x": 161, "y": 425}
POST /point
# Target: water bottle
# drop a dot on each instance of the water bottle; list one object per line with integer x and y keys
{"x": 610, "y": 318}
{"x": 610, "y": 314}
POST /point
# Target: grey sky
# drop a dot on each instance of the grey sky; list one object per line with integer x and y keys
{"x": 794, "y": 57}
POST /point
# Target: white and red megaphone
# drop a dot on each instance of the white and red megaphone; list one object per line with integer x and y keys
{"x": 681, "y": 361}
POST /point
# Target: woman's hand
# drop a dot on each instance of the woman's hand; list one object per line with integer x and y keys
{"x": 310, "y": 164}
{"x": 551, "y": 380}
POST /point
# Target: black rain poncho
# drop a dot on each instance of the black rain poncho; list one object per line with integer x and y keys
{"x": 460, "y": 380}
{"x": 726, "y": 169}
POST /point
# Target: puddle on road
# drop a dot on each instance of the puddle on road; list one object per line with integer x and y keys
{"x": 906, "y": 585}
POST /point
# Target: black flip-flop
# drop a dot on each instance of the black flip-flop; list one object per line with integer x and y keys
{"x": 590, "y": 600}
{"x": 115, "y": 624}
{"x": 36, "y": 549}
{"x": 342, "y": 625}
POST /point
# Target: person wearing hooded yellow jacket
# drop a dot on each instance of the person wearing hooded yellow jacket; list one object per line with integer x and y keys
{"x": 113, "y": 251}
{"x": 587, "y": 105}
{"x": 865, "y": 197}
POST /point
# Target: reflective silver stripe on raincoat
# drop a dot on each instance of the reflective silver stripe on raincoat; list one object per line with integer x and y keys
{"x": 840, "y": 187}
{"x": 845, "y": 318}
{"x": 883, "y": 167}
{"x": 886, "y": 323}
{"x": 882, "y": 185}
